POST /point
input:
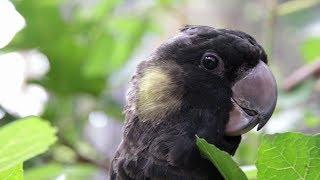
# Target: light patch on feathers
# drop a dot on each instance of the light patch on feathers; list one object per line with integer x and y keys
{"x": 158, "y": 95}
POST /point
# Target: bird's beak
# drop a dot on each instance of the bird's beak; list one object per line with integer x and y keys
{"x": 254, "y": 99}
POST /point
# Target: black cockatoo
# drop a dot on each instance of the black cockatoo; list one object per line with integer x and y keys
{"x": 213, "y": 83}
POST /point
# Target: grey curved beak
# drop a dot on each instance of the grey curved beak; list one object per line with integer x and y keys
{"x": 254, "y": 100}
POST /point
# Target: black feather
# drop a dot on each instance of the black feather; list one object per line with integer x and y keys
{"x": 166, "y": 149}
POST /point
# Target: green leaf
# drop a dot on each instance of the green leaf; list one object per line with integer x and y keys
{"x": 289, "y": 156}
{"x": 52, "y": 171}
{"x": 250, "y": 171}
{"x": 14, "y": 173}
{"x": 310, "y": 49}
{"x": 222, "y": 160}
{"x": 24, "y": 139}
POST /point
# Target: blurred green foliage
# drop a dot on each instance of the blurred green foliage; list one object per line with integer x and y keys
{"x": 310, "y": 49}
{"x": 54, "y": 170}
{"x": 85, "y": 45}
{"x": 311, "y": 119}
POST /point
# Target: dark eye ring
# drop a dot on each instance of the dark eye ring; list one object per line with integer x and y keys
{"x": 209, "y": 61}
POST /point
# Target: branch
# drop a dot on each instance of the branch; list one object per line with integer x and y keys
{"x": 301, "y": 74}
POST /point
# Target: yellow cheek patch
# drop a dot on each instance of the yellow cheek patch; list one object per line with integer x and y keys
{"x": 158, "y": 95}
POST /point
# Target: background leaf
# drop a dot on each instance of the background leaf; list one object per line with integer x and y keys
{"x": 250, "y": 171}
{"x": 310, "y": 49}
{"x": 223, "y": 161}
{"x": 14, "y": 173}
{"x": 91, "y": 48}
{"x": 52, "y": 171}
{"x": 81, "y": 53}
{"x": 24, "y": 139}
{"x": 289, "y": 156}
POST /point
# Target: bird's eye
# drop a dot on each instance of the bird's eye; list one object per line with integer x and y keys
{"x": 209, "y": 61}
